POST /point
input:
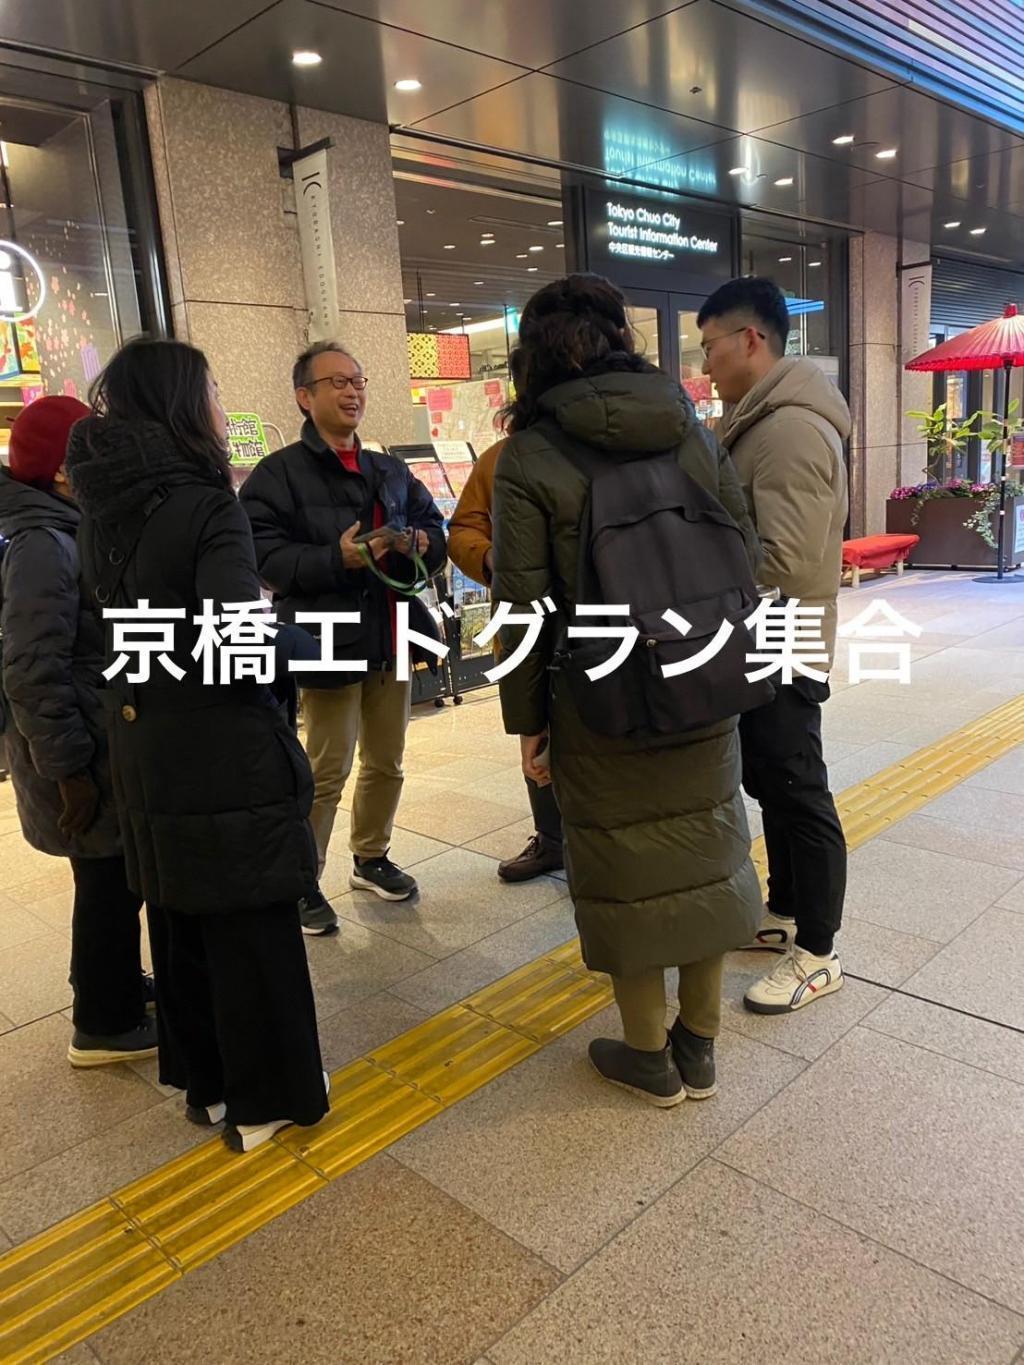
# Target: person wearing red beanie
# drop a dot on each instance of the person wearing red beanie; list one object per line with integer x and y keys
{"x": 39, "y": 439}
{"x": 53, "y": 722}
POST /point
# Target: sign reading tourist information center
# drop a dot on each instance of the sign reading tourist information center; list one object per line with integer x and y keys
{"x": 657, "y": 242}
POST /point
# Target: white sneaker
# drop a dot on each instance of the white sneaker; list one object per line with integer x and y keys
{"x": 776, "y": 934}
{"x": 797, "y": 980}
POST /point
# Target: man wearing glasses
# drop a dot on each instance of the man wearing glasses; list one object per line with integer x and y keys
{"x": 785, "y": 425}
{"x": 308, "y": 504}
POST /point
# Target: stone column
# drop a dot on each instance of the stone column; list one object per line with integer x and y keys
{"x": 874, "y": 357}
{"x": 365, "y": 232}
{"x": 232, "y": 248}
{"x": 915, "y": 388}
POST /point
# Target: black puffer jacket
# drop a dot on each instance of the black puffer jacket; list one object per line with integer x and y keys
{"x": 300, "y": 500}
{"x": 213, "y": 789}
{"x": 52, "y": 661}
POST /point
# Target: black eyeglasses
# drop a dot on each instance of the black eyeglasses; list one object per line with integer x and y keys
{"x": 707, "y": 345}
{"x": 340, "y": 382}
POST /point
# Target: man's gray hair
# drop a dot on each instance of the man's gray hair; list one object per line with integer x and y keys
{"x": 302, "y": 371}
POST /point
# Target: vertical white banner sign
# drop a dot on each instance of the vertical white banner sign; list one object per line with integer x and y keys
{"x": 917, "y": 309}
{"x": 316, "y": 244}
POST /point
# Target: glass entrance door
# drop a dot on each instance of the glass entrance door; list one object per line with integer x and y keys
{"x": 666, "y": 331}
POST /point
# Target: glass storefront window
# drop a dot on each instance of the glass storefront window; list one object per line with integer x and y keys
{"x": 471, "y": 258}
{"x": 63, "y": 205}
{"x": 802, "y": 271}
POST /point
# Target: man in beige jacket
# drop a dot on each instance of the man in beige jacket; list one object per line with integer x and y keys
{"x": 785, "y": 431}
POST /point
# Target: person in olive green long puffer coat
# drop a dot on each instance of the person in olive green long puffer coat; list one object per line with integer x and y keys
{"x": 657, "y": 842}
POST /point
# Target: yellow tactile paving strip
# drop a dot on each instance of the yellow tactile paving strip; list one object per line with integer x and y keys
{"x": 67, "y": 1283}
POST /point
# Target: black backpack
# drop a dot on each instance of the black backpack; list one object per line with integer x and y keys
{"x": 652, "y": 538}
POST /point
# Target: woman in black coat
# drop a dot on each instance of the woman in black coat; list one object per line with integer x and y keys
{"x": 213, "y": 789}
{"x": 52, "y": 657}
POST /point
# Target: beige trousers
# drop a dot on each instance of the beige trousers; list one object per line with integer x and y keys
{"x": 374, "y": 714}
{"x": 641, "y": 1002}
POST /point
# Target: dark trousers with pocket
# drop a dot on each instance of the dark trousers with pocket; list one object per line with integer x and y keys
{"x": 547, "y": 818}
{"x": 106, "y": 966}
{"x": 784, "y": 770}
{"x": 235, "y": 1013}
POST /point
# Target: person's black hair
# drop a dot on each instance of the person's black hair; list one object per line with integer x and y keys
{"x": 572, "y": 326}
{"x": 163, "y": 381}
{"x": 302, "y": 370}
{"x": 754, "y": 297}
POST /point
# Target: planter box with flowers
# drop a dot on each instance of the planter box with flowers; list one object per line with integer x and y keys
{"x": 957, "y": 522}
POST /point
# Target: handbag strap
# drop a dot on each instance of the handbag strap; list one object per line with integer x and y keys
{"x": 421, "y": 575}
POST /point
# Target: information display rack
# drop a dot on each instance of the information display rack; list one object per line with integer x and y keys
{"x": 444, "y": 467}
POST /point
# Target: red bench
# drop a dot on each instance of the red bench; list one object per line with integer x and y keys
{"x": 876, "y": 552}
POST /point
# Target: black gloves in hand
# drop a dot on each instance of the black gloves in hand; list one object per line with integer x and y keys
{"x": 81, "y": 798}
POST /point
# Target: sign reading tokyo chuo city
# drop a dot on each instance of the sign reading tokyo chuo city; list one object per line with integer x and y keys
{"x": 657, "y": 241}
{"x": 651, "y": 235}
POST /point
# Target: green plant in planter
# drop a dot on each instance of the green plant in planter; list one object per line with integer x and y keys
{"x": 944, "y": 438}
{"x": 981, "y": 519}
{"x": 998, "y": 446}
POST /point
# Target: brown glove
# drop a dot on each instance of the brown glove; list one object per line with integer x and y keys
{"x": 81, "y": 798}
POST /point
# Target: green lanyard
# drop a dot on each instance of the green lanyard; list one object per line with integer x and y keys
{"x": 420, "y": 581}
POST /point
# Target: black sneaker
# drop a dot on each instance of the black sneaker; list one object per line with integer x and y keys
{"x": 316, "y": 915}
{"x": 695, "y": 1058}
{"x": 651, "y": 1075}
{"x": 90, "y": 1049}
{"x": 381, "y": 876}
{"x": 539, "y": 856}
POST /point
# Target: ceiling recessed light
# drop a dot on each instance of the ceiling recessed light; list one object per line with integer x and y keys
{"x": 449, "y": 246}
{"x": 843, "y": 140}
{"x": 400, "y": 222}
{"x": 535, "y": 248}
{"x": 456, "y": 305}
{"x": 978, "y": 232}
{"x": 306, "y": 58}
{"x": 408, "y": 85}
{"x": 786, "y": 180}
{"x": 554, "y": 222}
{"x": 954, "y": 224}
{"x": 478, "y": 281}
{"x": 431, "y": 296}
{"x": 784, "y": 259}
{"x": 559, "y": 246}
{"x": 813, "y": 265}
{"x": 407, "y": 300}
{"x": 486, "y": 241}
{"x": 886, "y": 154}
{"x": 521, "y": 256}
{"x": 431, "y": 211}
{"x": 531, "y": 269}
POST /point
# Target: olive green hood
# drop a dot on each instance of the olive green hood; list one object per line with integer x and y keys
{"x": 622, "y": 411}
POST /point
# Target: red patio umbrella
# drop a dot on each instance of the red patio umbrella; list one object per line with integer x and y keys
{"x": 996, "y": 345}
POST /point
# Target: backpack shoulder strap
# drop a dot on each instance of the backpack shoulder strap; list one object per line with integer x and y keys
{"x": 120, "y": 553}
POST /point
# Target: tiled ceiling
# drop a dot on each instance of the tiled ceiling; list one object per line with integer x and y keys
{"x": 676, "y": 95}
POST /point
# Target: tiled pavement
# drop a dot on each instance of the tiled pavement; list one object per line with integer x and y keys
{"x": 853, "y": 1195}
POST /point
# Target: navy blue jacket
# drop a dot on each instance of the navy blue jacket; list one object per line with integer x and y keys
{"x": 300, "y": 501}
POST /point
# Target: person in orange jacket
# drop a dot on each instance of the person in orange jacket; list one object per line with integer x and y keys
{"x": 470, "y": 548}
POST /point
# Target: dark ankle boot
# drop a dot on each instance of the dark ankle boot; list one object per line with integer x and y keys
{"x": 651, "y": 1075}
{"x": 541, "y": 855}
{"x": 695, "y": 1058}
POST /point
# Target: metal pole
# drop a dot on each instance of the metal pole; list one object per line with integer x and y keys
{"x": 1001, "y": 533}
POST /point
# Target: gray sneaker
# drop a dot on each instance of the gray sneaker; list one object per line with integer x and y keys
{"x": 695, "y": 1058}
{"x": 316, "y": 916}
{"x": 651, "y": 1075}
